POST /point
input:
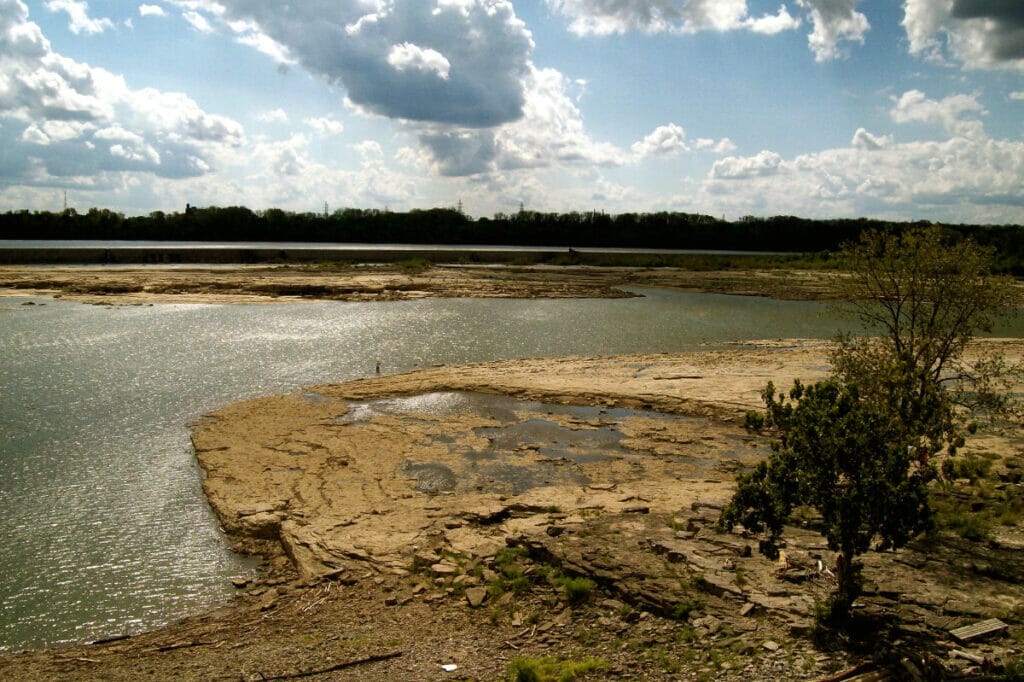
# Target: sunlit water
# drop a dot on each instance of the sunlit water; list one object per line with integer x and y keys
{"x": 103, "y": 526}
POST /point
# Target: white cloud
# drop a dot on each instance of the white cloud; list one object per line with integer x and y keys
{"x": 198, "y": 21}
{"x": 1018, "y": 95}
{"x": 958, "y": 179}
{"x": 735, "y": 168}
{"x": 977, "y": 33}
{"x": 408, "y": 56}
{"x": 151, "y": 11}
{"x": 273, "y": 116}
{"x": 667, "y": 140}
{"x": 604, "y": 17}
{"x": 63, "y": 121}
{"x": 862, "y": 139}
{"x": 78, "y": 16}
{"x": 261, "y": 42}
{"x": 948, "y": 113}
{"x": 834, "y": 21}
{"x": 770, "y": 24}
{"x": 551, "y": 131}
{"x": 723, "y": 146}
{"x": 325, "y": 125}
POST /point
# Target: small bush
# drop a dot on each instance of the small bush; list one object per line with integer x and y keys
{"x": 550, "y": 669}
{"x": 753, "y": 421}
{"x": 970, "y": 467}
{"x": 576, "y": 590}
{"x": 683, "y": 609}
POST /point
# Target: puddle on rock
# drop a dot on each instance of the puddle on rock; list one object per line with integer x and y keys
{"x": 431, "y": 477}
{"x": 533, "y": 444}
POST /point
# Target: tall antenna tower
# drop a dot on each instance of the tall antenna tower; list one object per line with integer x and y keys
{"x": 325, "y": 210}
{"x": 65, "y": 201}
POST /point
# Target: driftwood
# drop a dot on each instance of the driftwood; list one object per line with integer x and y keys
{"x": 337, "y": 666}
{"x": 850, "y": 673}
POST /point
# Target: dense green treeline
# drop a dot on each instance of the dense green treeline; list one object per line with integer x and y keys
{"x": 449, "y": 226}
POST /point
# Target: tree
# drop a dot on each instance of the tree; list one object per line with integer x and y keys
{"x": 922, "y": 298}
{"x": 858, "y": 446}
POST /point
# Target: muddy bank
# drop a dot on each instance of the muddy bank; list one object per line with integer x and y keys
{"x": 423, "y": 520}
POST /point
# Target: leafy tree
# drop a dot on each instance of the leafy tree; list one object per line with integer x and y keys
{"x": 923, "y": 298}
{"x": 858, "y": 446}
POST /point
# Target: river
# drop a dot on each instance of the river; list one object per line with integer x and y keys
{"x": 103, "y": 527}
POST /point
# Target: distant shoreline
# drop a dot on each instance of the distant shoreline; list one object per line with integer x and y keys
{"x": 28, "y": 252}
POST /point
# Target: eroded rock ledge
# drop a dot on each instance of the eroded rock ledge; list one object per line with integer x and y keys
{"x": 301, "y": 474}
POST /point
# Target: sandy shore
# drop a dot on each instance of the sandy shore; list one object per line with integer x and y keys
{"x": 259, "y": 284}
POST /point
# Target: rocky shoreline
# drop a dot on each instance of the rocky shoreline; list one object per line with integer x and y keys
{"x": 406, "y": 528}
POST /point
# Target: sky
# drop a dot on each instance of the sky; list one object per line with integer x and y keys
{"x": 908, "y": 110}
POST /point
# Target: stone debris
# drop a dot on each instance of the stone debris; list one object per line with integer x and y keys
{"x": 475, "y": 596}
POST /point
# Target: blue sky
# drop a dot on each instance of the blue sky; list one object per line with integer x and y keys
{"x": 817, "y": 108}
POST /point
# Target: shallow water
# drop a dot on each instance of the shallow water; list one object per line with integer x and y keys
{"x": 103, "y": 527}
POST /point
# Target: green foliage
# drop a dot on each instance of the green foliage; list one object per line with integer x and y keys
{"x": 837, "y": 454}
{"x": 753, "y": 421}
{"x": 924, "y": 297}
{"x": 510, "y": 574}
{"x": 858, "y": 446}
{"x": 971, "y": 467}
{"x": 551, "y": 669}
{"x": 413, "y": 266}
{"x": 683, "y": 609}
{"x": 576, "y": 590}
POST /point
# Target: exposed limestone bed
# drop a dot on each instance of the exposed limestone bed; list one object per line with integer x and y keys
{"x": 254, "y": 284}
{"x": 299, "y": 472}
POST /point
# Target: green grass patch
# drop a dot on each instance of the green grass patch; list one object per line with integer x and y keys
{"x": 552, "y": 669}
{"x": 575, "y": 590}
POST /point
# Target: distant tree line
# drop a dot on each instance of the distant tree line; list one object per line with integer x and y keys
{"x": 664, "y": 230}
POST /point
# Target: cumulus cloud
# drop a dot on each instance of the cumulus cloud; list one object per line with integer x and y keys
{"x": 78, "y": 16}
{"x": 460, "y": 63}
{"x": 948, "y": 113}
{"x": 742, "y": 167}
{"x": 198, "y": 21}
{"x": 549, "y": 134}
{"x": 64, "y": 119}
{"x": 977, "y": 33}
{"x": 723, "y": 146}
{"x": 667, "y": 140}
{"x": 959, "y": 178}
{"x": 273, "y": 116}
{"x": 261, "y": 42}
{"x": 151, "y": 11}
{"x": 409, "y": 56}
{"x": 325, "y": 125}
{"x": 1017, "y": 95}
{"x": 604, "y": 17}
{"x": 551, "y": 130}
{"x": 862, "y": 139}
{"x": 834, "y": 22}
